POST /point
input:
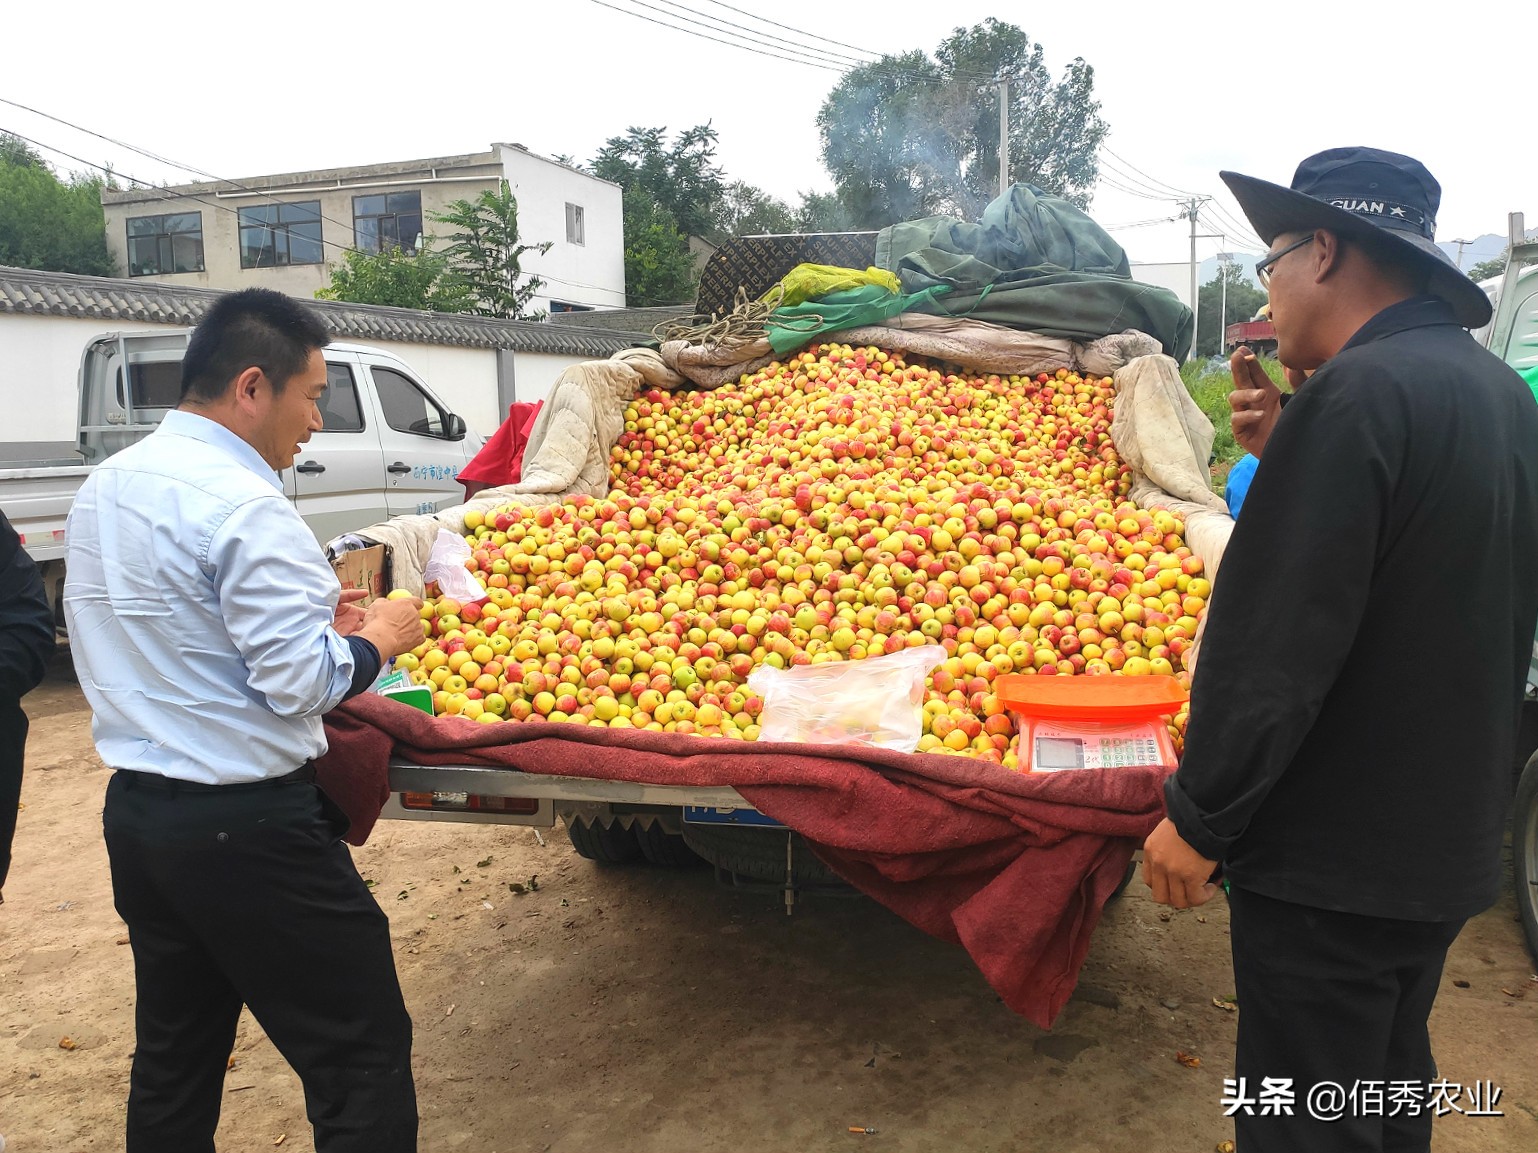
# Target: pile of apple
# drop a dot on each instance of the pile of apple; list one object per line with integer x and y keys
{"x": 840, "y": 505}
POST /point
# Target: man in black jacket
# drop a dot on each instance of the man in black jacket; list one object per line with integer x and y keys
{"x": 1355, "y": 705}
{"x": 26, "y": 643}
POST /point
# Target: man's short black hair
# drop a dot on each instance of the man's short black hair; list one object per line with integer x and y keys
{"x": 255, "y": 326}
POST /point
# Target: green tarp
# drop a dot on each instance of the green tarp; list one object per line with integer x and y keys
{"x": 1034, "y": 262}
{"x": 790, "y": 327}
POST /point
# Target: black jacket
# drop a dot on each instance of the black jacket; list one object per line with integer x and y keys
{"x": 26, "y": 642}
{"x": 1357, "y": 693}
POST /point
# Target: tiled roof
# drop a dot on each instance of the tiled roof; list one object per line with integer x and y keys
{"x": 23, "y": 290}
{"x": 635, "y": 321}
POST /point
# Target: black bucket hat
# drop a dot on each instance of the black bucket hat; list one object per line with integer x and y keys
{"x": 1365, "y": 192}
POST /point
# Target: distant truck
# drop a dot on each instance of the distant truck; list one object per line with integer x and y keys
{"x": 1259, "y": 335}
{"x": 389, "y": 446}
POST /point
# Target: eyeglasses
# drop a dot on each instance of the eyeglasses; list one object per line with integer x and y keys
{"x": 1263, "y": 267}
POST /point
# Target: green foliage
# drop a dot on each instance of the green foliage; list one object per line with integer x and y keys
{"x": 682, "y": 177}
{"x": 47, "y": 223}
{"x": 909, "y": 136}
{"x": 1241, "y": 301}
{"x": 1490, "y": 269}
{"x": 420, "y": 281}
{"x": 823, "y": 212}
{"x": 746, "y": 211}
{"x": 485, "y": 254}
{"x": 659, "y": 269}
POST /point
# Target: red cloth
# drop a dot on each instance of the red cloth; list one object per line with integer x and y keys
{"x": 1014, "y": 867}
{"x": 500, "y": 460}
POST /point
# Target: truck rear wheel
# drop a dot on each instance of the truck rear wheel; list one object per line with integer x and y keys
{"x": 758, "y": 854}
{"x": 611, "y": 844}
{"x": 1524, "y": 851}
{"x": 664, "y": 849}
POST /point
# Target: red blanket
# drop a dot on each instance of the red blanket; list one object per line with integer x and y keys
{"x": 1014, "y": 867}
{"x": 500, "y": 460}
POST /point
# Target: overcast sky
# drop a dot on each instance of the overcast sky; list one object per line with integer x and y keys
{"x": 249, "y": 89}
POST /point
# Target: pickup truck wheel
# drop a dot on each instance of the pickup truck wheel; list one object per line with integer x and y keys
{"x": 1524, "y": 851}
{"x": 607, "y": 844}
{"x": 758, "y": 853}
{"x": 664, "y": 849}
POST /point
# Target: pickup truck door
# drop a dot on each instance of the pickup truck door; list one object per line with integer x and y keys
{"x": 424, "y": 444}
{"x": 337, "y": 480}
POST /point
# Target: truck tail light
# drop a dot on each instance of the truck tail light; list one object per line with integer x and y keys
{"x": 451, "y": 802}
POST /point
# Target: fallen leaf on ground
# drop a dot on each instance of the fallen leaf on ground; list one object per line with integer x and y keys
{"x": 230, "y": 1064}
{"x": 1225, "y": 1147}
{"x": 1515, "y": 994}
{"x": 282, "y": 1137}
{"x": 67, "y": 1043}
{"x": 1226, "y": 1004}
{"x": 1189, "y": 1060}
{"x": 483, "y": 864}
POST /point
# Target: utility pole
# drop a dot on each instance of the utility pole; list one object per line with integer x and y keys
{"x": 1461, "y": 245}
{"x": 1003, "y": 137}
{"x": 1224, "y": 260}
{"x": 1190, "y": 210}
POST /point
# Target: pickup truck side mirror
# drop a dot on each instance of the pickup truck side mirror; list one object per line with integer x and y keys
{"x": 454, "y": 427}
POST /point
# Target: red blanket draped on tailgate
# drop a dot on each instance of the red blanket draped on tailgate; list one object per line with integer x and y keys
{"x": 1014, "y": 867}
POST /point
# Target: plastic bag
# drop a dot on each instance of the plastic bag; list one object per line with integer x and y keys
{"x": 875, "y": 702}
{"x": 446, "y": 565}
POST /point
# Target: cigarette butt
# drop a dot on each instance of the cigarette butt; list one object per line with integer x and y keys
{"x": 861, "y": 1129}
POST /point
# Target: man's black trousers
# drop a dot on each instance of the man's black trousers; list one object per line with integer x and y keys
{"x": 244, "y": 894}
{"x": 1334, "y": 997}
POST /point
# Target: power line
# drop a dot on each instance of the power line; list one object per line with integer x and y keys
{"x": 760, "y": 48}
{"x": 718, "y": 40}
{"x": 1180, "y": 193}
{"x": 729, "y": 28}
{"x": 797, "y": 31}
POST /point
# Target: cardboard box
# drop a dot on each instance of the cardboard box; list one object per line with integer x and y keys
{"x": 365, "y": 568}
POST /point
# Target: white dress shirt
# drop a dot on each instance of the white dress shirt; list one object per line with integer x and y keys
{"x": 200, "y": 611}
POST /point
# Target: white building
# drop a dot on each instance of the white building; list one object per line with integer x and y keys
{"x": 284, "y": 231}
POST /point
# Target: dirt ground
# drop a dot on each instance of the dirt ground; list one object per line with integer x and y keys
{"x": 638, "y": 1009}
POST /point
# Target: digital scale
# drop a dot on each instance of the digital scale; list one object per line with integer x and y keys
{"x": 1101, "y": 722}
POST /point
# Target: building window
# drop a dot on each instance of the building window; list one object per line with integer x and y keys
{"x": 389, "y": 220}
{"x": 158, "y": 245}
{"x": 574, "y": 229}
{"x": 567, "y": 306}
{"x": 277, "y": 234}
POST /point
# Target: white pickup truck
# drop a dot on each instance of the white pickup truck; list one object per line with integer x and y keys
{"x": 389, "y": 445}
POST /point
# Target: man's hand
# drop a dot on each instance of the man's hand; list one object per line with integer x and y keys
{"x": 1177, "y": 873}
{"x": 1255, "y": 400}
{"x": 393, "y": 626}
{"x": 349, "y": 613}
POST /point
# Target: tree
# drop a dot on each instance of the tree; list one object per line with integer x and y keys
{"x": 909, "y": 136}
{"x": 659, "y": 268}
{"x": 1215, "y": 310}
{"x": 682, "y": 178}
{"x": 1489, "y": 269}
{"x": 747, "y": 211}
{"x": 47, "y": 223}
{"x": 823, "y": 212}
{"x": 422, "y": 281}
{"x": 485, "y": 255}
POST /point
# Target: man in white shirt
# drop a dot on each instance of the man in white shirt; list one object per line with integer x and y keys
{"x": 210, "y": 636}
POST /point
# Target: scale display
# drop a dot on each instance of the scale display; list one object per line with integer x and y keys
{"x": 1053, "y": 752}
